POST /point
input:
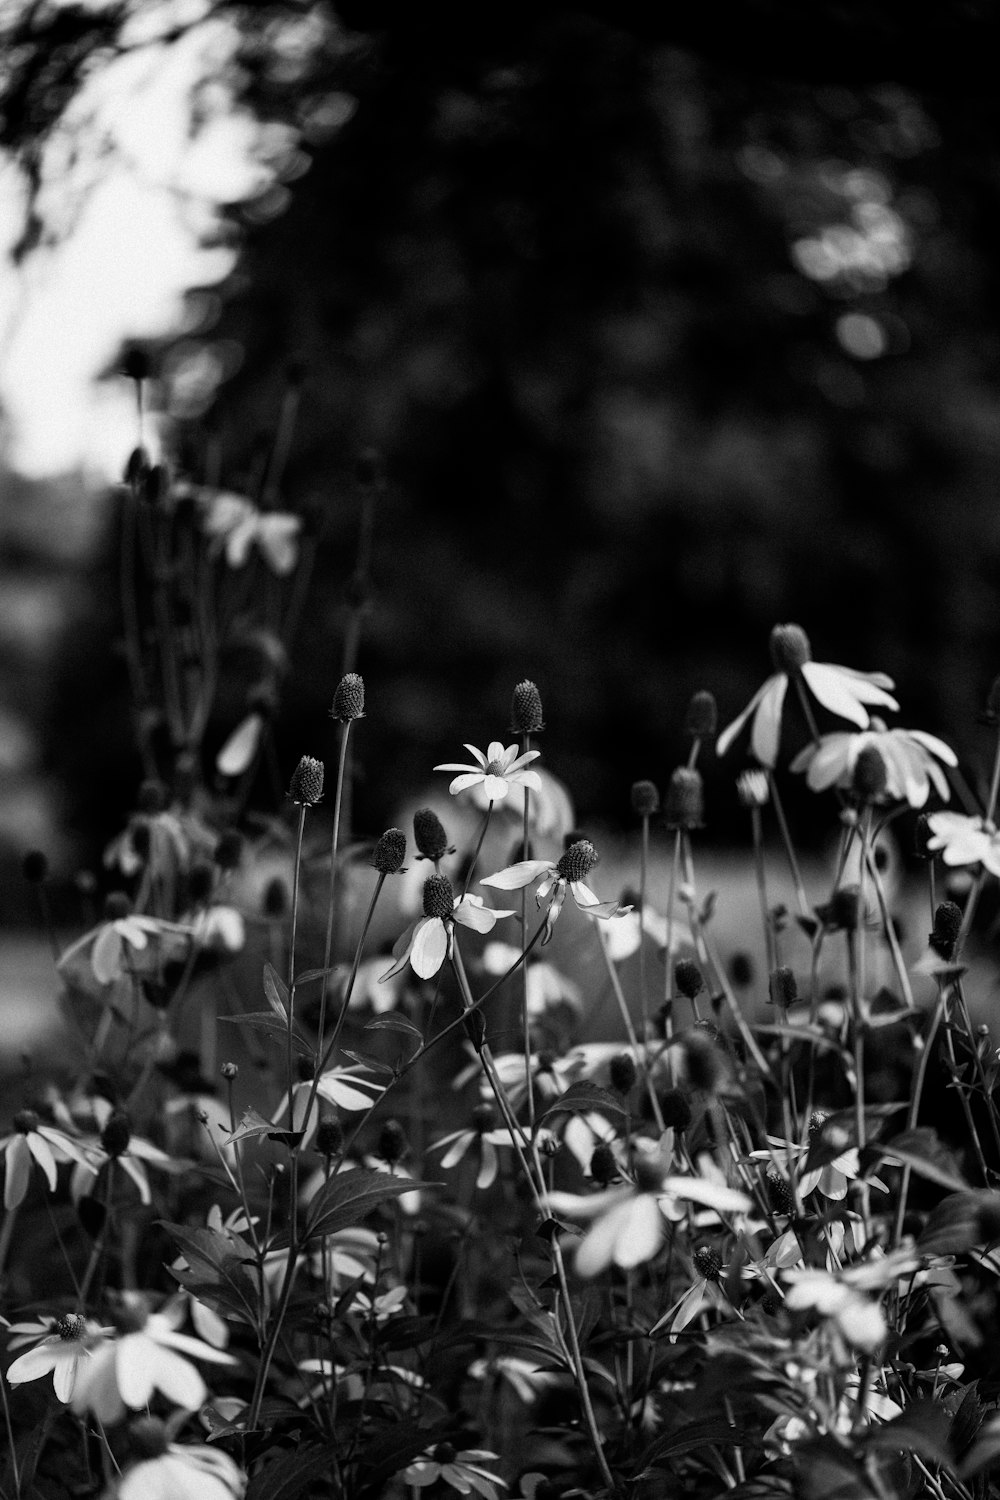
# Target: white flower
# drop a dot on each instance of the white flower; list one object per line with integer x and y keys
{"x": 462, "y": 1470}
{"x": 124, "y": 1372}
{"x": 496, "y": 772}
{"x": 32, "y": 1143}
{"x": 347, "y": 1088}
{"x": 60, "y": 1345}
{"x": 842, "y": 690}
{"x": 235, "y": 525}
{"x": 122, "y": 945}
{"x": 426, "y": 944}
{"x": 908, "y": 755}
{"x": 962, "y": 839}
{"x": 558, "y": 876}
{"x": 859, "y": 1319}
{"x": 522, "y": 1375}
{"x": 171, "y": 1471}
{"x": 629, "y": 1222}
{"x": 489, "y": 1142}
{"x": 218, "y": 928}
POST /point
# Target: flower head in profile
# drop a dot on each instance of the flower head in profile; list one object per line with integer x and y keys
{"x": 842, "y": 690}
{"x": 630, "y": 1221}
{"x": 485, "y": 1137}
{"x": 559, "y": 876}
{"x": 125, "y": 943}
{"x": 171, "y": 1471}
{"x": 235, "y": 526}
{"x": 426, "y": 944}
{"x": 461, "y": 1469}
{"x": 963, "y": 839}
{"x": 58, "y": 1345}
{"x": 910, "y": 756}
{"x": 497, "y": 772}
{"x": 32, "y": 1143}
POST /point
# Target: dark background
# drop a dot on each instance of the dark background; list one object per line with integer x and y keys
{"x": 665, "y": 328}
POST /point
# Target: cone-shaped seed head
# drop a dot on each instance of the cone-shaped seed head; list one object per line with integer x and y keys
{"x": 578, "y": 861}
{"x": 870, "y": 774}
{"x": 389, "y": 852}
{"x": 429, "y": 833}
{"x": 306, "y": 787}
{"x": 702, "y": 717}
{"x": 349, "y": 699}
{"x": 439, "y": 897}
{"x": 116, "y": 1134}
{"x": 947, "y": 925}
{"x": 645, "y": 799}
{"x": 707, "y": 1263}
{"x": 526, "y": 709}
{"x": 684, "y": 805}
{"x": 790, "y": 648}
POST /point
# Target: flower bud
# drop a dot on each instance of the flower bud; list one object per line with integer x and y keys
{"x": 790, "y": 648}
{"x": 705, "y": 1061}
{"x": 229, "y": 1071}
{"x": 645, "y": 799}
{"x": 136, "y": 363}
{"x": 922, "y": 835}
{"x": 578, "y": 861}
{"x": 229, "y": 850}
{"x": 439, "y": 897}
{"x": 783, "y": 989}
{"x": 684, "y": 804}
{"x": 702, "y": 717}
{"x": 623, "y": 1073}
{"x": 349, "y": 699}
{"x": 947, "y": 926}
{"x": 675, "y": 1109}
{"x": 752, "y": 788}
{"x": 603, "y": 1167}
{"x": 35, "y": 867}
{"x": 116, "y": 906}
{"x": 429, "y": 835}
{"x": 689, "y": 979}
{"x": 25, "y": 1121}
{"x": 152, "y": 797}
{"x": 148, "y": 1437}
{"x": 871, "y": 776}
{"x": 392, "y": 1146}
{"x": 116, "y": 1134}
{"x": 526, "y": 709}
{"x": 483, "y": 1118}
{"x": 329, "y": 1136}
{"x": 389, "y": 852}
{"x": 306, "y": 787}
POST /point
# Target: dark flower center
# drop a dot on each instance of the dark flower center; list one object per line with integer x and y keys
{"x": 439, "y": 897}
{"x": 494, "y": 768}
{"x": 578, "y": 861}
{"x": 25, "y": 1121}
{"x": 790, "y": 648}
{"x": 70, "y": 1328}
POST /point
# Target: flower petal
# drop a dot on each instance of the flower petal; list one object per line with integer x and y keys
{"x": 516, "y": 877}
{"x": 731, "y": 731}
{"x": 464, "y": 782}
{"x": 429, "y": 947}
{"x": 39, "y": 1149}
{"x": 106, "y": 955}
{"x": 496, "y": 788}
{"x": 766, "y": 731}
{"x": 18, "y": 1159}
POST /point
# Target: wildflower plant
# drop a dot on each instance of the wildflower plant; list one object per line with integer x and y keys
{"x": 424, "y": 1232}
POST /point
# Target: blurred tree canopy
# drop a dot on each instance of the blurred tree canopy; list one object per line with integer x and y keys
{"x": 668, "y": 323}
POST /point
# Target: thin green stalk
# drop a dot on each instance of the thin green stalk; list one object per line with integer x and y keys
{"x": 639, "y": 1052}
{"x": 332, "y": 897}
{"x": 643, "y": 881}
{"x": 290, "y": 1033}
{"x": 786, "y": 839}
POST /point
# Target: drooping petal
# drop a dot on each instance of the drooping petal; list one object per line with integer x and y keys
{"x": 277, "y": 539}
{"x": 429, "y": 947}
{"x": 64, "y": 1374}
{"x": 471, "y": 912}
{"x": 237, "y": 754}
{"x": 712, "y": 1194}
{"x": 347, "y": 1093}
{"x": 495, "y": 788}
{"x": 845, "y": 692}
{"x": 766, "y": 732}
{"x": 18, "y": 1159}
{"x": 731, "y": 731}
{"x": 826, "y": 762}
{"x": 581, "y": 1206}
{"x": 529, "y": 779}
{"x": 516, "y": 877}
{"x": 106, "y": 955}
{"x": 39, "y": 1149}
{"x": 489, "y": 1166}
{"x": 459, "y": 1146}
{"x": 33, "y": 1363}
{"x": 137, "y": 1172}
{"x": 463, "y": 782}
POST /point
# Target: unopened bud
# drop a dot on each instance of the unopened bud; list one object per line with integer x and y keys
{"x": 623, "y": 1072}
{"x": 782, "y": 987}
{"x": 389, "y": 852}
{"x": 306, "y": 788}
{"x": 645, "y": 799}
{"x": 675, "y": 1109}
{"x": 947, "y": 926}
{"x": 790, "y": 648}
{"x": 526, "y": 709}
{"x": 684, "y": 804}
{"x": 871, "y": 775}
{"x": 706, "y": 1064}
{"x": 229, "y": 1071}
{"x": 702, "y": 717}
{"x": 349, "y": 699}
{"x": 429, "y": 835}
{"x": 689, "y": 979}
{"x": 329, "y": 1136}
{"x": 392, "y": 1146}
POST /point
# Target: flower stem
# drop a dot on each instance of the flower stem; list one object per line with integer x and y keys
{"x": 332, "y": 898}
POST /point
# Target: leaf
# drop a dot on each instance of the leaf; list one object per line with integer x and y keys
{"x": 394, "y": 1022}
{"x": 580, "y": 1098}
{"x": 290, "y": 1474}
{"x": 692, "y": 1435}
{"x": 923, "y": 1429}
{"x": 984, "y": 1452}
{"x": 250, "y": 1124}
{"x": 392, "y": 1449}
{"x": 217, "y": 1271}
{"x": 955, "y": 1225}
{"x": 922, "y": 1151}
{"x": 351, "y": 1196}
{"x": 263, "y": 1020}
{"x": 276, "y": 992}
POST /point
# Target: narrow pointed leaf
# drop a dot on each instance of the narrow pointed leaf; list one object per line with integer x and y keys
{"x": 276, "y": 992}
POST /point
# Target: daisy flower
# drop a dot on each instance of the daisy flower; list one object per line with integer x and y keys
{"x": 117, "y": 1143}
{"x": 629, "y": 1221}
{"x": 32, "y": 1143}
{"x": 59, "y": 1345}
{"x": 522, "y": 1375}
{"x": 346, "y": 1088}
{"x": 858, "y": 1319}
{"x": 170, "y": 1471}
{"x": 497, "y": 772}
{"x": 124, "y": 1372}
{"x": 235, "y": 525}
{"x": 908, "y": 754}
{"x": 116, "y": 945}
{"x": 842, "y": 690}
{"x": 704, "y": 1293}
{"x": 962, "y": 839}
{"x": 483, "y": 1135}
{"x": 461, "y": 1469}
{"x": 558, "y": 877}
{"x": 425, "y": 944}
